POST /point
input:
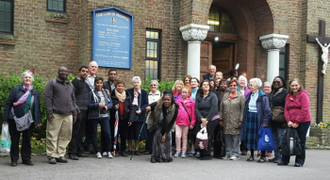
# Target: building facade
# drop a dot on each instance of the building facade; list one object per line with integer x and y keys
{"x": 43, "y": 35}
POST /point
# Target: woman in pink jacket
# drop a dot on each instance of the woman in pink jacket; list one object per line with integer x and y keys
{"x": 186, "y": 120}
{"x": 297, "y": 115}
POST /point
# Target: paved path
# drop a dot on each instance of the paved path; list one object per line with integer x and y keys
{"x": 317, "y": 167}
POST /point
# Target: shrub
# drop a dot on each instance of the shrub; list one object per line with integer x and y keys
{"x": 163, "y": 85}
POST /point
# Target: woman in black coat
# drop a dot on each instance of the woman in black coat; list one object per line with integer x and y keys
{"x": 123, "y": 104}
{"x": 277, "y": 99}
{"x": 22, "y": 100}
{"x": 140, "y": 100}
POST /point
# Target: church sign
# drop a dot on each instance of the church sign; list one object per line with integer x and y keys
{"x": 112, "y": 38}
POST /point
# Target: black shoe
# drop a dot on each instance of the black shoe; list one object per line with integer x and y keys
{"x": 251, "y": 158}
{"x": 153, "y": 160}
{"x": 13, "y": 164}
{"x": 124, "y": 154}
{"x": 261, "y": 160}
{"x": 28, "y": 163}
{"x": 147, "y": 153}
{"x": 52, "y": 161}
{"x": 82, "y": 155}
{"x": 281, "y": 163}
{"x": 297, "y": 165}
{"x": 205, "y": 158}
{"x": 129, "y": 152}
{"x": 274, "y": 160}
{"x": 73, "y": 157}
{"x": 137, "y": 153}
{"x": 61, "y": 160}
{"x": 160, "y": 160}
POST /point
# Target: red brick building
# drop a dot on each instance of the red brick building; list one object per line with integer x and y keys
{"x": 43, "y": 35}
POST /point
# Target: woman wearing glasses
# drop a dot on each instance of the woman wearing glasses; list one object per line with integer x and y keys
{"x": 277, "y": 100}
{"x": 231, "y": 115}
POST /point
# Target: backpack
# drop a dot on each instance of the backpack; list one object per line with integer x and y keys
{"x": 291, "y": 143}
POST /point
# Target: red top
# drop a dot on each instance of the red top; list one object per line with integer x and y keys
{"x": 122, "y": 108}
{"x": 297, "y": 108}
{"x": 231, "y": 97}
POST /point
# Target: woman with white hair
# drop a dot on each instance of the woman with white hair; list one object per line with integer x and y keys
{"x": 242, "y": 86}
{"x": 153, "y": 96}
{"x": 23, "y": 99}
{"x": 257, "y": 113}
{"x": 140, "y": 101}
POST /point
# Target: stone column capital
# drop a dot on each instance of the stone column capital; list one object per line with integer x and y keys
{"x": 273, "y": 41}
{"x": 194, "y": 32}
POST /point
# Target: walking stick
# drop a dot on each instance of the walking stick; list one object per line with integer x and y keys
{"x": 115, "y": 134}
{"x": 144, "y": 122}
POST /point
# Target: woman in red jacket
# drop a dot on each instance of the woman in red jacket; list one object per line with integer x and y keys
{"x": 297, "y": 115}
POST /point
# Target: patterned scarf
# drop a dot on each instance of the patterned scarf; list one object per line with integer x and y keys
{"x": 135, "y": 100}
{"x": 25, "y": 96}
{"x": 121, "y": 96}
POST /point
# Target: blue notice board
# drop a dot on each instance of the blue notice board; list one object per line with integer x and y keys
{"x": 112, "y": 38}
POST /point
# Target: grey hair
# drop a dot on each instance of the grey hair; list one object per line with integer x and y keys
{"x": 257, "y": 82}
{"x": 27, "y": 72}
{"x": 243, "y": 77}
{"x": 154, "y": 81}
{"x": 136, "y": 77}
{"x": 265, "y": 83}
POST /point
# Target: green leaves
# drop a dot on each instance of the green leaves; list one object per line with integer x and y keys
{"x": 163, "y": 85}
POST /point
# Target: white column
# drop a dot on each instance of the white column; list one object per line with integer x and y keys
{"x": 273, "y": 42}
{"x": 194, "y": 34}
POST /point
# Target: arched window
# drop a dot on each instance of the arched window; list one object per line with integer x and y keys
{"x": 219, "y": 21}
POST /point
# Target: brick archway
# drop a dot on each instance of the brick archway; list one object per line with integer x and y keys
{"x": 251, "y": 20}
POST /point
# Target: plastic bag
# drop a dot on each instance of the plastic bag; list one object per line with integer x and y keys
{"x": 265, "y": 141}
{"x": 201, "y": 143}
{"x": 5, "y": 139}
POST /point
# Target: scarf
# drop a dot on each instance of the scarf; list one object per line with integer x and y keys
{"x": 25, "y": 96}
{"x": 121, "y": 96}
{"x": 135, "y": 100}
{"x": 278, "y": 91}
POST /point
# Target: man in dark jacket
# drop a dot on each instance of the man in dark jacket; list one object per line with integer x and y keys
{"x": 61, "y": 111}
{"x": 211, "y": 74}
{"x": 79, "y": 128}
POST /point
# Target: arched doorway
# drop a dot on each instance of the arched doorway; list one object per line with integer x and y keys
{"x": 233, "y": 36}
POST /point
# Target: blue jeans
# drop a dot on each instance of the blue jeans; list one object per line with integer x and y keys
{"x": 278, "y": 134}
{"x": 105, "y": 129}
{"x": 302, "y": 131}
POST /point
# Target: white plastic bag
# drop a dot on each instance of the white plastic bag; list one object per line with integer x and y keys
{"x": 5, "y": 139}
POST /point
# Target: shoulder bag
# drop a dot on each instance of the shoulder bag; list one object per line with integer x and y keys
{"x": 24, "y": 122}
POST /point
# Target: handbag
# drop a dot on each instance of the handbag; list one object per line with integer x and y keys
{"x": 290, "y": 143}
{"x": 265, "y": 141}
{"x": 24, "y": 122}
{"x": 278, "y": 114}
{"x": 5, "y": 139}
{"x": 201, "y": 143}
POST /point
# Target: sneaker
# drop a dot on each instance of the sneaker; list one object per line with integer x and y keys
{"x": 110, "y": 155}
{"x": 51, "y": 161}
{"x": 177, "y": 154}
{"x": 225, "y": 157}
{"x": 98, "y": 155}
{"x": 234, "y": 158}
{"x": 183, "y": 155}
{"x": 192, "y": 153}
{"x": 262, "y": 159}
{"x": 104, "y": 154}
{"x": 198, "y": 154}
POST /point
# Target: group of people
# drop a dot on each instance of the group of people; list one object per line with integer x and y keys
{"x": 234, "y": 107}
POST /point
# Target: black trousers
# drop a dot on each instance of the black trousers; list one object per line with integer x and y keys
{"x": 26, "y": 142}
{"x": 149, "y": 140}
{"x": 210, "y": 130}
{"x": 122, "y": 132}
{"x": 78, "y": 132}
{"x": 88, "y": 133}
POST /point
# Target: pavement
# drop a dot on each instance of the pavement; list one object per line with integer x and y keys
{"x": 317, "y": 166}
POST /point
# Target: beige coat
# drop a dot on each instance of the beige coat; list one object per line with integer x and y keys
{"x": 231, "y": 113}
